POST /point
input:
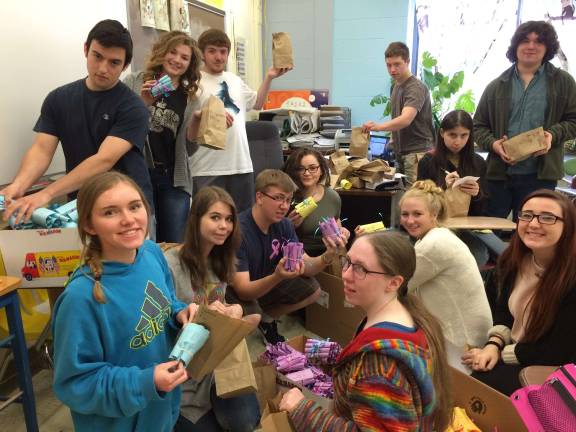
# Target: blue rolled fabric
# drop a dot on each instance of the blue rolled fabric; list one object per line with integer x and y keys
{"x": 191, "y": 339}
{"x": 64, "y": 216}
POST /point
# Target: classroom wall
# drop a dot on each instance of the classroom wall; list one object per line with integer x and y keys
{"x": 362, "y": 31}
{"x": 310, "y": 24}
{"x": 244, "y": 20}
{"x": 42, "y": 48}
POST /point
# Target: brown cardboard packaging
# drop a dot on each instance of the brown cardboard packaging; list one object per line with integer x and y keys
{"x": 488, "y": 408}
{"x": 330, "y": 317}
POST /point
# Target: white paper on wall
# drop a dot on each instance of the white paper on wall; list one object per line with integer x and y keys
{"x": 147, "y": 13}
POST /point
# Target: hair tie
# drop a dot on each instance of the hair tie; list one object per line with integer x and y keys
{"x": 97, "y": 277}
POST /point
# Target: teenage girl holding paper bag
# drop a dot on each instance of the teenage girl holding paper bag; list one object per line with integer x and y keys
{"x": 453, "y": 158}
{"x": 202, "y": 268}
{"x": 115, "y": 324}
{"x": 309, "y": 170}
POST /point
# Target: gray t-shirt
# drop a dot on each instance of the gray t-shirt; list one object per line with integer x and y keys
{"x": 419, "y": 135}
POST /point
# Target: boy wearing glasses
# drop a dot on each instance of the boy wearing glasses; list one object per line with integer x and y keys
{"x": 262, "y": 284}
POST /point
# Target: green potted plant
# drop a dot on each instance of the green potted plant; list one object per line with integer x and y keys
{"x": 442, "y": 89}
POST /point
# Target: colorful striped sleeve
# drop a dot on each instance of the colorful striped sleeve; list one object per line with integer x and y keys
{"x": 376, "y": 405}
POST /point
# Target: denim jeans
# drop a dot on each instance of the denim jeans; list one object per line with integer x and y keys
{"x": 507, "y": 195}
{"x": 239, "y": 186}
{"x": 482, "y": 245}
{"x": 172, "y": 206}
{"x": 237, "y": 414}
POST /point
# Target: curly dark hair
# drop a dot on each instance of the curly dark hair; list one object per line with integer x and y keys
{"x": 546, "y": 34}
{"x": 293, "y": 163}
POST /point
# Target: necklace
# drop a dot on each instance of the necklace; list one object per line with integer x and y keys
{"x": 539, "y": 270}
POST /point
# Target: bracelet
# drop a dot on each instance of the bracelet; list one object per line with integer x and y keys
{"x": 491, "y": 342}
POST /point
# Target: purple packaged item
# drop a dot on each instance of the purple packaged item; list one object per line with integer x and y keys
{"x": 294, "y": 253}
{"x": 303, "y": 377}
{"x": 329, "y": 227}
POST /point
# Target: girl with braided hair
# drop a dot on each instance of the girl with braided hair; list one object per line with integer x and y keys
{"x": 447, "y": 278}
{"x": 115, "y": 323}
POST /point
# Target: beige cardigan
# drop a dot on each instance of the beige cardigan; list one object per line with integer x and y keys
{"x": 448, "y": 281}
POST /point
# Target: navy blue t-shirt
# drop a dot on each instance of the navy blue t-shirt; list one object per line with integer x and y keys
{"x": 257, "y": 248}
{"x": 82, "y": 119}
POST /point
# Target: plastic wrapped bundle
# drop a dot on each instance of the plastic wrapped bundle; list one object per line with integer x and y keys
{"x": 294, "y": 254}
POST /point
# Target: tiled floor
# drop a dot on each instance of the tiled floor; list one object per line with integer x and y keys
{"x": 55, "y": 417}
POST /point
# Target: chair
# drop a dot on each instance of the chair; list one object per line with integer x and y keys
{"x": 265, "y": 145}
{"x": 16, "y": 341}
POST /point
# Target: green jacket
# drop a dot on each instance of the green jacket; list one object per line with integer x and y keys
{"x": 491, "y": 121}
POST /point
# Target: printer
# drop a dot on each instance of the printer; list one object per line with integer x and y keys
{"x": 342, "y": 138}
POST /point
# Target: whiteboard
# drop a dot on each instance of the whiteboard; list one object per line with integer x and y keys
{"x": 42, "y": 46}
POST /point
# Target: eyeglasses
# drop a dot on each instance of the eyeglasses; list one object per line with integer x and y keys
{"x": 544, "y": 218}
{"x": 358, "y": 269}
{"x": 312, "y": 169}
{"x": 279, "y": 198}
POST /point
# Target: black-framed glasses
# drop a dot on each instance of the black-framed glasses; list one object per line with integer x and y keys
{"x": 312, "y": 169}
{"x": 358, "y": 269}
{"x": 279, "y": 198}
{"x": 543, "y": 218}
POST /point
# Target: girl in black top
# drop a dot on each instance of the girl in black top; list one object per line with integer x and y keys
{"x": 452, "y": 158}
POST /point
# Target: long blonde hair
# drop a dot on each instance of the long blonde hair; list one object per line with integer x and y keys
{"x": 168, "y": 41}
{"x": 92, "y": 248}
{"x": 432, "y": 194}
{"x": 396, "y": 256}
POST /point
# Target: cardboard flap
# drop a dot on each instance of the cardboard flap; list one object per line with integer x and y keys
{"x": 490, "y": 409}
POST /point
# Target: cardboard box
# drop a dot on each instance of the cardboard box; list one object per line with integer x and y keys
{"x": 43, "y": 257}
{"x": 331, "y": 317}
{"x": 284, "y": 384}
{"x": 488, "y": 408}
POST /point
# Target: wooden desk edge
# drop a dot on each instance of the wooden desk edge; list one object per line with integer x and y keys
{"x": 8, "y": 284}
{"x": 479, "y": 222}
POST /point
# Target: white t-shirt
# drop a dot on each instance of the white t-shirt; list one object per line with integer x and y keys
{"x": 238, "y": 99}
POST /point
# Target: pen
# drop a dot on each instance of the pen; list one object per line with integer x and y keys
{"x": 446, "y": 171}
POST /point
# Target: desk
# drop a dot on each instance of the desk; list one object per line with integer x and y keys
{"x": 362, "y": 206}
{"x": 479, "y": 222}
{"x": 9, "y": 301}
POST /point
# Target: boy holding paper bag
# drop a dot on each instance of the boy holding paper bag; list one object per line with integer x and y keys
{"x": 530, "y": 94}
{"x": 231, "y": 167}
{"x": 262, "y": 283}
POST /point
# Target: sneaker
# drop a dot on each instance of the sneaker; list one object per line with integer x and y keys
{"x": 270, "y": 332}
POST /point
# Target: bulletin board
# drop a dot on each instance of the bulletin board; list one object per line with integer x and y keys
{"x": 202, "y": 17}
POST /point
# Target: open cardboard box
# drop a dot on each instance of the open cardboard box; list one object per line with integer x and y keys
{"x": 298, "y": 343}
{"x": 329, "y": 316}
{"x": 491, "y": 410}
{"x": 41, "y": 257}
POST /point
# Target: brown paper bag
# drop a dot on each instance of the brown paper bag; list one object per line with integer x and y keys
{"x": 265, "y": 381}
{"x": 338, "y": 162}
{"x": 225, "y": 334}
{"x": 359, "y": 142}
{"x": 357, "y": 182}
{"x": 274, "y": 420}
{"x": 234, "y": 376}
{"x": 457, "y": 202}
{"x": 212, "y": 129}
{"x": 282, "y": 56}
{"x": 522, "y": 146}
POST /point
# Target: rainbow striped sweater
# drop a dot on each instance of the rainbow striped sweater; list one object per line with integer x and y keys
{"x": 382, "y": 382}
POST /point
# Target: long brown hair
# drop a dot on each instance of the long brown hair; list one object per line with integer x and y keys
{"x": 168, "y": 41}
{"x": 293, "y": 163}
{"x": 222, "y": 258}
{"x": 396, "y": 256}
{"x": 558, "y": 279}
{"x": 92, "y": 248}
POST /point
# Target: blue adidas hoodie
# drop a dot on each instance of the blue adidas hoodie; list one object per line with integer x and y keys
{"x": 105, "y": 353}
